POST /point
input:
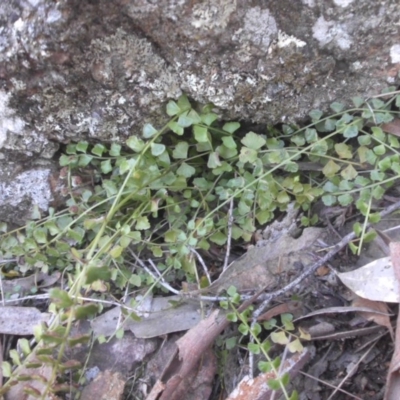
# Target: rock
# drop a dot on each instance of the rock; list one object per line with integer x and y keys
{"x": 98, "y": 70}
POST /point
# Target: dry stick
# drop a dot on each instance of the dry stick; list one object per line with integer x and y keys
{"x": 229, "y": 240}
{"x": 330, "y": 385}
{"x": 202, "y": 263}
{"x": 351, "y": 371}
{"x": 160, "y": 278}
{"x": 267, "y": 298}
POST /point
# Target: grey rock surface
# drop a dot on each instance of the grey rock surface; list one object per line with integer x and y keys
{"x": 99, "y": 70}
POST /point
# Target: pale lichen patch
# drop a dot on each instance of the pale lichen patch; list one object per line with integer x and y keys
{"x": 285, "y": 40}
{"x": 327, "y": 32}
{"x": 9, "y": 122}
{"x": 342, "y": 3}
{"x": 395, "y": 54}
{"x": 207, "y": 15}
{"x": 32, "y": 184}
{"x": 259, "y": 28}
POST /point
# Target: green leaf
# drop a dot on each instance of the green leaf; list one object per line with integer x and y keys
{"x": 98, "y": 149}
{"x": 364, "y": 140}
{"x": 229, "y": 142}
{"x": 378, "y": 192}
{"x": 213, "y": 160}
{"x": 172, "y": 108}
{"x": 183, "y": 103}
{"x": 369, "y": 236}
{"x": 330, "y": 169}
{"x": 106, "y": 166}
{"x": 279, "y": 337}
{"x": 231, "y": 127}
{"x": 82, "y": 146}
{"x": 283, "y": 197}
{"x": 86, "y": 311}
{"x": 181, "y": 150}
{"x": 149, "y": 131}
{"x": 116, "y": 251}
{"x": 243, "y": 329}
{"x": 232, "y": 317}
{"x": 253, "y": 141}
{"x": 189, "y": 118}
{"x": 345, "y": 199}
{"x": 135, "y": 280}
{"x": 393, "y": 141}
{"x": 247, "y": 155}
{"x": 311, "y": 135}
{"x": 343, "y": 150}
{"x": 379, "y": 150}
{"x": 97, "y": 273}
{"x": 135, "y": 143}
{"x": 377, "y": 175}
{"x": 315, "y": 115}
{"x": 298, "y": 140}
{"x": 115, "y": 150}
{"x": 254, "y": 348}
{"x": 208, "y": 118}
{"x": 110, "y": 187}
{"x": 357, "y": 101}
{"x": 142, "y": 223}
{"x": 157, "y": 149}
{"x": 350, "y": 131}
{"x": 337, "y": 107}
{"x": 329, "y": 200}
{"x": 185, "y": 170}
{"x": 377, "y": 103}
{"x": 40, "y": 235}
{"x": 200, "y": 133}
{"x": 61, "y": 298}
{"x": 175, "y": 127}
{"x": 349, "y": 173}
{"x": 219, "y": 238}
{"x": 374, "y": 218}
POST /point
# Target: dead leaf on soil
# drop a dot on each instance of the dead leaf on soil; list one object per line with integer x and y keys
{"x": 25, "y": 284}
{"x": 257, "y": 389}
{"x": 20, "y": 320}
{"x": 159, "y": 316}
{"x": 392, "y": 127}
{"x": 393, "y": 379}
{"x": 374, "y": 281}
{"x": 38, "y": 385}
{"x": 106, "y": 385}
{"x": 1, "y": 362}
{"x": 190, "y": 349}
{"x": 379, "y": 312}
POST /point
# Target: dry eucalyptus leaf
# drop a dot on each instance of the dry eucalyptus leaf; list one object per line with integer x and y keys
{"x": 378, "y": 316}
{"x": 374, "y": 281}
{"x": 161, "y": 316}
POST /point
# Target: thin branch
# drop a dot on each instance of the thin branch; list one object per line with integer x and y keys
{"x": 160, "y": 279}
{"x": 229, "y": 240}
{"x": 202, "y": 263}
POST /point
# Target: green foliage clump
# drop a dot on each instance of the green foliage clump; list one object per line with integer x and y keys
{"x": 169, "y": 191}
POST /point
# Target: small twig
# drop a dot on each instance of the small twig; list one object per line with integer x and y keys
{"x": 202, "y": 263}
{"x": 351, "y": 371}
{"x": 2, "y": 289}
{"x": 159, "y": 279}
{"x": 330, "y": 385}
{"x": 229, "y": 240}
